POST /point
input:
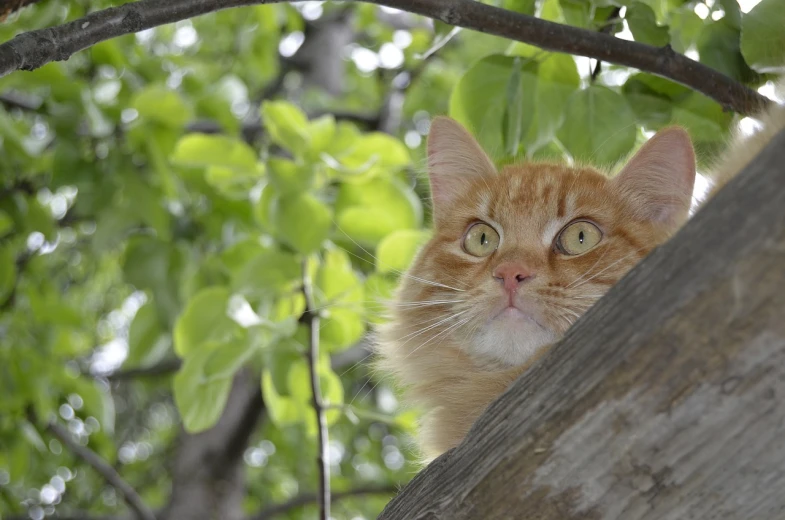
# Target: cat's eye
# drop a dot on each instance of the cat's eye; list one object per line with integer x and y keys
{"x": 578, "y": 238}
{"x": 481, "y": 240}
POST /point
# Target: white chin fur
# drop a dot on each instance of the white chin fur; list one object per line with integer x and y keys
{"x": 510, "y": 341}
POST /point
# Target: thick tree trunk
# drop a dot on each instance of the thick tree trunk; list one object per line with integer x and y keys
{"x": 208, "y": 477}
{"x": 666, "y": 401}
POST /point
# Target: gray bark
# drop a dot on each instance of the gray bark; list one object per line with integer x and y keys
{"x": 208, "y": 477}
{"x": 665, "y": 401}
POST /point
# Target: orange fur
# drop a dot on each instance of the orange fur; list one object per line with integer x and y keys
{"x": 742, "y": 149}
{"x": 450, "y": 343}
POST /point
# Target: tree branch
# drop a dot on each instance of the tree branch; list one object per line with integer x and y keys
{"x": 311, "y": 318}
{"x": 33, "y": 49}
{"x": 663, "y": 401}
{"x": 131, "y": 497}
{"x": 310, "y": 498}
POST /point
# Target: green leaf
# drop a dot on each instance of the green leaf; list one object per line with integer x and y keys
{"x": 155, "y": 265}
{"x": 369, "y": 211}
{"x": 239, "y": 254}
{"x": 268, "y": 272}
{"x": 162, "y": 105}
{"x": 643, "y": 25}
{"x": 302, "y": 221}
{"x": 204, "y": 319}
{"x": 373, "y": 154}
{"x": 262, "y": 208}
{"x": 146, "y": 344}
{"x": 227, "y": 358}
{"x": 202, "y": 151}
{"x": 39, "y": 218}
{"x": 283, "y": 410}
{"x": 479, "y": 100}
{"x": 397, "y": 250}
{"x": 199, "y": 400}
{"x": 484, "y": 98}
{"x": 288, "y": 176}
{"x": 336, "y": 280}
{"x": 341, "y": 327}
{"x": 763, "y": 37}
{"x": 719, "y": 48}
{"x": 685, "y": 26}
{"x": 287, "y": 125}
{"x": 703, "y": 117}
{"x": 7, "y": 273}
{"x": 514, "y": 113}
{"x": 602, "y": 126}
{"x": 520, "y": 6}
{"x": 321, "y": 132}
{"x": 579, "y": 13}
{"x": 6, "y": 223}
{"x": 557, "y": 79}
{"x": 653, "y": 109}
{"x": 298, "y": 381}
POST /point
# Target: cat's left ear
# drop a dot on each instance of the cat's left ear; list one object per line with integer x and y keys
{"x": 660, "y": 178}
{"x": 455, "y": 159}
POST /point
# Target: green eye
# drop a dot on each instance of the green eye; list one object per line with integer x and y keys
{"x": 481, "y": 240}
{"x": 578, "y": 238}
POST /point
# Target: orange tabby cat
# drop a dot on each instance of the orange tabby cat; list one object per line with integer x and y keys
{"x": 516, "y": 257}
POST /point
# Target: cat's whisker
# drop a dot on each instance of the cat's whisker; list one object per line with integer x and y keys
{"x": 401, "y": 273}
{"x": 368, "y": 304}
{"x": 584, "y": 282}
{"x": 429, "y": 327}
{"x": 587, "y": 270}
{"x": 427, "y": 303}
{"x": 426, "y": 321}
{"x": 442, "y": 333}
{"x": 429, "y": 282}
{"x": 355, "y": 365}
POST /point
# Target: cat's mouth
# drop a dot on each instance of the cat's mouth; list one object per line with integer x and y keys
{"x": 514, "y": 313}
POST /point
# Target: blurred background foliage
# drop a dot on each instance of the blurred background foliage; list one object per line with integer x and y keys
{"x": 162, "y": 193}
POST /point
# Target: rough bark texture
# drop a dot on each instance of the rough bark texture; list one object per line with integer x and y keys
{"x": 665, "y": 401}
{"x": 208, "y": 477}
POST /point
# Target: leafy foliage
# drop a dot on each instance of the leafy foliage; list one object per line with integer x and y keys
{"x": 162, "y": 194}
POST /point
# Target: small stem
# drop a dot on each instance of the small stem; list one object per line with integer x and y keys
{"x": 312, "y": 321}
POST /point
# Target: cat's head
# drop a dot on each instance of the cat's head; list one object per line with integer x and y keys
{"x": 518, "y": 255}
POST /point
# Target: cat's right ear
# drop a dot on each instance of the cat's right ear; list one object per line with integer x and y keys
{"x": 455, "y": 159}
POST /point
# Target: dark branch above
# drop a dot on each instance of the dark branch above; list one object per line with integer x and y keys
{"x": 33, "y": 49}
{"x": 664, "y": 401}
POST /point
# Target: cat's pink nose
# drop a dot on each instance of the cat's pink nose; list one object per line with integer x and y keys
{"x": 512, "y": 275}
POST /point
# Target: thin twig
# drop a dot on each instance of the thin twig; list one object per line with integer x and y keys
{"x": 312, "y": 320}
{"x": 310, "y": 498}
{"x": 31, "y": 50}
{"x": 131, "y": 497}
